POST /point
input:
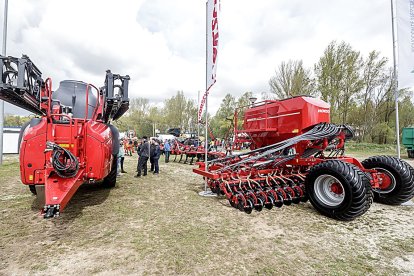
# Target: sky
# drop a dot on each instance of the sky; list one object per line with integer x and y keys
{"x": 161, "y": 43}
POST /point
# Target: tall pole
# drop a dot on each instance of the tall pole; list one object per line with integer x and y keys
{"x": 206, "y": 139}
{"x": 395, "y": 82}
{"x": 6, "y": 4}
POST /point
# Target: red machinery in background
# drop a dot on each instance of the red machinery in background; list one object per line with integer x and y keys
{"x": 72, "y": 141}
{"x": 192, "y": 148}
{"x": 298, "y": 155}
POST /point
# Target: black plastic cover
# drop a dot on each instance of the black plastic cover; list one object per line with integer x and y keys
{"x": 73, "y": 93}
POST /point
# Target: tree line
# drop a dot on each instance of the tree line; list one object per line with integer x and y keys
{"x": 359, "y": 90}
{"x": 144, "y": 118}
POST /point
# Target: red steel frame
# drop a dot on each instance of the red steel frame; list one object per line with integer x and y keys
{"x": 83, "y": 137}
{"x": 268, "y": 123}
{"x": 190, "y": 151}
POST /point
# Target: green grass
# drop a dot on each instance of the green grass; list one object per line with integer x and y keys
{"x": 370, "y": 148}
{"x": 160, "y": 225}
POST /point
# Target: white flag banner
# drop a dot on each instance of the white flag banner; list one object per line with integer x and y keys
{"x": 405, "y": 37}
{"x": 213, "y": 8}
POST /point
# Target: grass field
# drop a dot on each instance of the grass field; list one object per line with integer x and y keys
{"x": 353, "y": 147}
{"x": 158, "y": 224}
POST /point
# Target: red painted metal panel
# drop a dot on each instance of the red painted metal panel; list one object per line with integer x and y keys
{"x": 270, "y": 122}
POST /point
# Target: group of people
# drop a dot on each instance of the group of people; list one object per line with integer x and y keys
{"x": 147, "y": 149}
{"x": 129, "y": 145}
{"x": 221, "y": 144}
{"x": 152, "y": 149}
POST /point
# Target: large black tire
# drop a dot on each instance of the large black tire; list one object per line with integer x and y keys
{"x": 338, "y": 190}
{"x": 110, "y": 180}
{"x": 410, "y": 168}
{"x": 400, "y": 176}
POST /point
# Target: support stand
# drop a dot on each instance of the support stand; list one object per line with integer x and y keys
{"x": 408, "y": 203}
{"x": 207, "y": 193}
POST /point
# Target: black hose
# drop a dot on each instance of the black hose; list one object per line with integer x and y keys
{"x": 320, "y": 131}
{"x": 64, "y": 162}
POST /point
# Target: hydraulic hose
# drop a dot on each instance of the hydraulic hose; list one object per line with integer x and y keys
{"x": 64, "y": 162}
{"x": 320, "y": 131}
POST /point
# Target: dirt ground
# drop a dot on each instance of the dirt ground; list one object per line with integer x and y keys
{"x": 160, "y": 225}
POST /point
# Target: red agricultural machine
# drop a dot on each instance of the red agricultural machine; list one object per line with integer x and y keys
{"x": 299, "y": 155}
{"x": 72, "y": 141}
{"x": 192, "y": 150}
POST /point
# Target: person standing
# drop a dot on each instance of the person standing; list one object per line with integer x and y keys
{"x": 135, "y": 143}
{"x": 229, "y": 148}
{"x": 156, "y": 156}
{"x": 152, "y": 151}
{"x": 121, "y": 157}
{"x": 139, "y": 145}
{"x": 144, "y": 154}
{"x": 167, "y": 150}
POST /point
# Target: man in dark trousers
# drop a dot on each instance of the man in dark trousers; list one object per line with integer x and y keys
{"x": 152, "y": 151}
{"x": 155, "y": 155}
{"x": 144, "y": 154}
{"x": 167, "y": 149}
{"x": 138, "y": 149}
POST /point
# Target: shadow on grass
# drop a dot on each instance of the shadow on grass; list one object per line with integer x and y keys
{"x": 220, "y": 199}
{"x": 87, "y": 195}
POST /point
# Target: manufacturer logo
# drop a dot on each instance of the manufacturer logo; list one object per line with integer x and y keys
{"x": 323, "y": 111}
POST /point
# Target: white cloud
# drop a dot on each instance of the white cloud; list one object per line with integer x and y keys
{"x": 161, "y": 43}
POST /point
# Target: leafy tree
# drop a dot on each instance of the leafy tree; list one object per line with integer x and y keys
{"x": 180, "y": 112}
{"x": 291, "y": 79}
{"x": 242, "y": 104}
{"x": 374, "y": 75}
{"x": 136, "y": 118}
{"x": 339, "y": 78}
{"x": 406, "y": 111}
{"x": 15, "y": 120}
{"x": 222, "y": 121}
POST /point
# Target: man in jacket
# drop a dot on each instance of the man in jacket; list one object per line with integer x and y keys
{"x": 152, "y": 151}
{"x": 121, "y": 157}
{"x": 144, "y": 153}
{"x": 167, "y": 149}
{"x": 155, "y": 156}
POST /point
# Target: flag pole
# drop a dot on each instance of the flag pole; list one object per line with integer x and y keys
{"x": 395, "y": 81}
{"x": 6, "y": 4}
{"x": 206, "y": 191}
{"x": 211, "y": 57}
{"x": 206, "y": 118}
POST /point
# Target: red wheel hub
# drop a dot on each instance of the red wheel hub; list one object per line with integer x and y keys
{"x": 385, "y": 181}
{"x": 337, "y": 188}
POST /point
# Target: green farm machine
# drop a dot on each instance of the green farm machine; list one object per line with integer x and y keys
{"x": 408, "y": 140}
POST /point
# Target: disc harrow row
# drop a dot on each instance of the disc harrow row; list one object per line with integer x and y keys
{"x": 262, "y": 191}
{"x": 267, "y": 177}
{"x": 191, "y": 152}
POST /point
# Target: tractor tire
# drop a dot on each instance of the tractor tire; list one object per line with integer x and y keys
{"x": 338, "y": 190}
{"x": 398, "y": 177}
{"x": 110, "y": 180}
{"x": 32, "y": 189}
{"x": 410, "y": 168}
